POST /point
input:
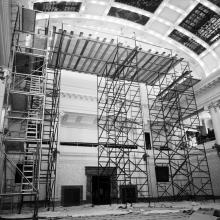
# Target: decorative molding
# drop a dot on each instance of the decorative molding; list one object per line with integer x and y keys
{"x": 78, "y": 120}
{"x": 65, "y": 154}
{"x": 215, "y": 105}
{"x": 207, "y": 101}
{"x": 208, "y": 83}
{"x": 69, "y": 95}
{"x": 207, "y": 91}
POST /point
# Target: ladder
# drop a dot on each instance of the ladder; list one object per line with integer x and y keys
{"x": 32, "y": 131}
{"x": 27, "y": 183}
{"x": 35, "y": 84}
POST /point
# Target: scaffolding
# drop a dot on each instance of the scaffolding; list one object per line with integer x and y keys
{"x": 32, "y": 114}
{"x": 121, "y": 148}
{"x": 29, "y": 140}
{"x": 181, "y": 166}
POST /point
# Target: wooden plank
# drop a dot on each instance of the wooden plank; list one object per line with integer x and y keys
{"x": 164, "y": 63}
{"x": 142, "y": 77}
{"x": 89, "y": 54}
{"x": 82, "y": 51}
{"x": 103, "y": 54}
{"x": 96, "y": 54}
{"x": 82, "y": 56}
{"x": 74, "y": 50}
{"x": 111, "y": 58}
{"x": 66, "y": 48}
{"x": 111, "y": 55}
{"x": 139, "y": 61}
{"x": 51, "y": 51}
{"x": 56, "y": 46}
{"x": 119, "y": 58}
{"x": 90, "y": 57}
{"x": 168, "y": 67}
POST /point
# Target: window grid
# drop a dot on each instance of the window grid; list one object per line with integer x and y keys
{"x": 187, "y": 41}
{"x": 204, "y": 23}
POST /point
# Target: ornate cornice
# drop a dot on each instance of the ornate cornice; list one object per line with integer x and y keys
{"x": 205, "y": 102}
{"x": 207, "y": 91}
{"x": 214, "y": 105}
{"x": 207, "y": 84}
{"x": 69, "y": 95}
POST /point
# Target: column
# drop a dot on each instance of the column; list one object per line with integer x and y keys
{"x": 3, "y": 79}
{"x": 214, "y": 109}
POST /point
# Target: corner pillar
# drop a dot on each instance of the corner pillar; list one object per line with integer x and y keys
{"x": 214, "y": 109}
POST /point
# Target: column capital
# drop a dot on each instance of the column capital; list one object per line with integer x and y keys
{"x": 214, "y": 105}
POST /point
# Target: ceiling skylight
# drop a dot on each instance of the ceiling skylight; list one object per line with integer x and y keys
{"x": 187, "y": 41}
{"x": 148, "y": 5}
{"x": 204, "y": 23}
{"x": 57, "y": 6}
{"x": 128, "y": 15}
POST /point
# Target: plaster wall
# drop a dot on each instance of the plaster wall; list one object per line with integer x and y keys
{"x": 78, "y": 124}
{"x": 73, "y": 160}
{"x": 71, "y": 167}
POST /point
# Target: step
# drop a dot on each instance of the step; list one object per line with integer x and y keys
{"x": 29, "y": 157}
{"x": 37, "y": 87}
{"x": 26, "y": 183}
{"x": 29, "y": 152}
{"x": 29, "y": 177}
{"x": 29, "y": 136}
{"x": 26, "y": 190}
{"x": 32, "y": 125}
{"x": 33, "y": 128}
{"x": 27, "y": 171}
{"x": 30, "y": 165}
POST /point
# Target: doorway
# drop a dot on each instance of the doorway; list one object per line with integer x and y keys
{"x": 128, "y": 193}
{"x": 71, "y": 195}
{"x": 101, "y": 189}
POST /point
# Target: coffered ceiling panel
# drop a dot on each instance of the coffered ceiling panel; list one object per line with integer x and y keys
{"x": 191, "y": 28}
{"x": 169, "y": 14}
{"x": 184, "y": 4}
{"x": 94, "y": 9}
{"x": 159, "y": 27}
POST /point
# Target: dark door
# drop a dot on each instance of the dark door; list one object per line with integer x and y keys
{"x": 101, "y": 187}
{"x": 71, "y": 195}
{"x": 128, "y": 193}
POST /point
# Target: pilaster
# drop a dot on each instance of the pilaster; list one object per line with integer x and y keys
{"x": 214, "y": 109}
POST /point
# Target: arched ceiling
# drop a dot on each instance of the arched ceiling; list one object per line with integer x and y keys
{"x": 191, "y": 28}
